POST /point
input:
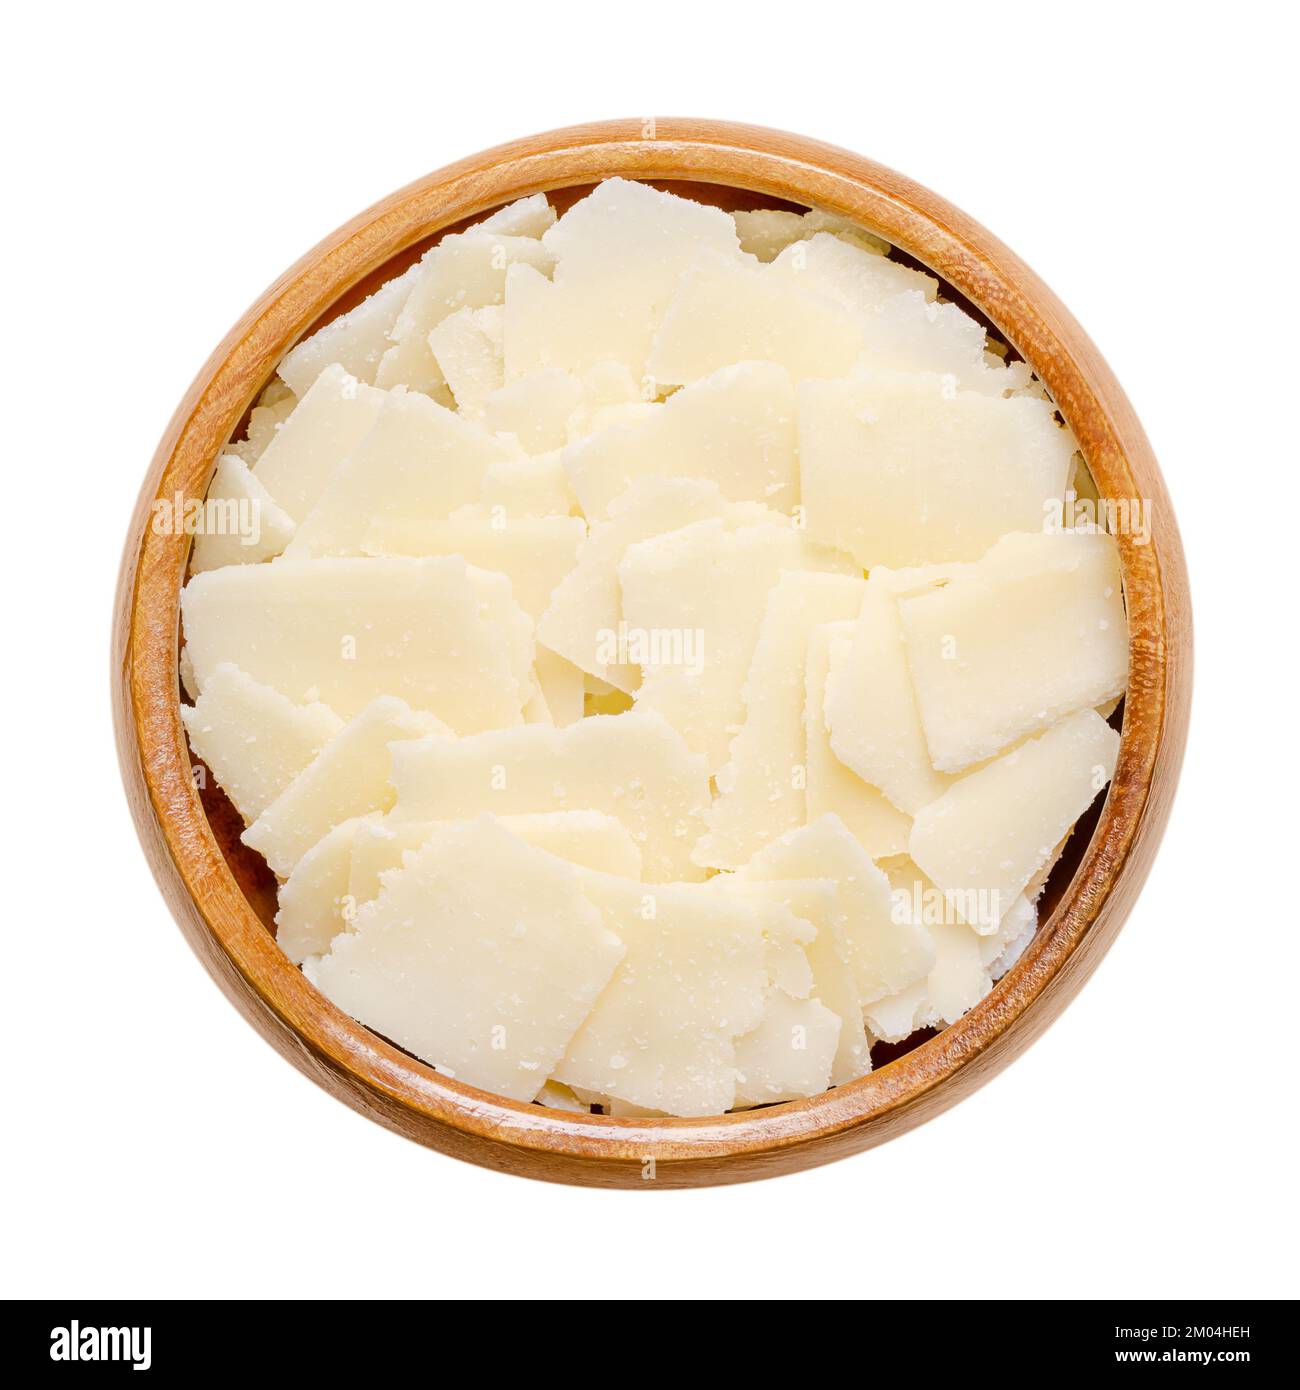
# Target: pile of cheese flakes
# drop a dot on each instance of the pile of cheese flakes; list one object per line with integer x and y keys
{"x": 650, "y": 671}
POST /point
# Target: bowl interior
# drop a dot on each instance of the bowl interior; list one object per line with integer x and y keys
{"x": 255, "y": 879}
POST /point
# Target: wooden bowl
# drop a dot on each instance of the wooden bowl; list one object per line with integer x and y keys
{"x": 222, "y": 896}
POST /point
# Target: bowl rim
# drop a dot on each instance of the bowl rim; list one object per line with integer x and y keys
{"x": 410, "y": 1097}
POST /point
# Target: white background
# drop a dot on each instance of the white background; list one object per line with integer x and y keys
{"x": 165, "y": 164}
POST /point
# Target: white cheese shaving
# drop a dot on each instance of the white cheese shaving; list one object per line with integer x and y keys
{"x": 832, "y": 788}
{"x": 315, "y": 901}
{"x": 355, "y": 340}
{"x": 994, "y": 828}
{"x": 347, "y": 631}
{"x": 633, "y": 766}
{"x": 735, "y": 428}
{"x": 695, "y": 601}
{"x": 467, "y": 348}
{"x": 885, "y": 955}
{"x": 350, "y": 776}
{"x": 420, "y": 462}
{"x": 465, "y": 271}
{"x": 620, "y": 255}
{"x": 761, "y": 788}
{"x": 588, "y": 838}
{"x": 871, "y": 710}
{"x": 1048, "y": 608}
{"x": 534, "y": 553}
{"x": 904, "y": 468}
{"x": 330, "y": 421}
{"x": 242, "y": 523}
{"x": 727, "y": 311}
{"x": 694, "y": 979}
{"x": 582, "y": 621}
{"x": 254, "y": 739}
{"x": 476, "y": 904}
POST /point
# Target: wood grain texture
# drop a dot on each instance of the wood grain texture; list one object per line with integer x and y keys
{"x": 761, "y": 167}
